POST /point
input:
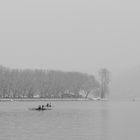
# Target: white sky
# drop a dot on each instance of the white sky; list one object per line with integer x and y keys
{"x": 74, "y": 35}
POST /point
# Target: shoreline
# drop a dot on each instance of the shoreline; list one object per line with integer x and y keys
{"x": 44, "y": 99}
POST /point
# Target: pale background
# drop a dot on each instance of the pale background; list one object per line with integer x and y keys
{"x": 75, "y": 35}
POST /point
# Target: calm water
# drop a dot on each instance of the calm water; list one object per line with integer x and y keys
{"x": 70, "y": 121}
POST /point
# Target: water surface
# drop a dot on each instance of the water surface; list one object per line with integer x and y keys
{"x": 72, "y": 120}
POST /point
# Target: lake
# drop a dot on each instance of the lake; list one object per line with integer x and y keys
{"x": 71, "y": 120}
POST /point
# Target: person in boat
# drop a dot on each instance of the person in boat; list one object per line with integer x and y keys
{"x": 42, "y": 107}
{"x": 39, "y": 107}
{"x": 48, "y": 105}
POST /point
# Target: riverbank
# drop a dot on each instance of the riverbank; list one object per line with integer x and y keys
{"x": 44, "y": 99}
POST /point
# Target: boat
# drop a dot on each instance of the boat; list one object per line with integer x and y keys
{"x": 40, "y": 109}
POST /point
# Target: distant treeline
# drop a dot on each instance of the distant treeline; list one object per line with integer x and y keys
{"x": 15, "y": 83}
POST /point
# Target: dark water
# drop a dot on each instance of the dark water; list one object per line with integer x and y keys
{"x": 70, "y": 121}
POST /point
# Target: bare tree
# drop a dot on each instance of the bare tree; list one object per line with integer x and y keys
{"x": 90, "y": 84}
{"x": 16, "y": 83}
{"x": 105, "y": 80}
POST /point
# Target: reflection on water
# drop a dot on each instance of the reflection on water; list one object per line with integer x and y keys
{"x": 68, "y": 121}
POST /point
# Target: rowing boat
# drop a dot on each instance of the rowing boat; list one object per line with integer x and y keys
{"x": 40, "y": 109}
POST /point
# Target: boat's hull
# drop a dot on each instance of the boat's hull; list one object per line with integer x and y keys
{"x": 37, "y": 109}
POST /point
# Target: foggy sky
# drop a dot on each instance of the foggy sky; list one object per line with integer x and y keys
{"x": 75, "y": 35}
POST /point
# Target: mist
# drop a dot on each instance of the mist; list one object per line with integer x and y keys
{"x": 71, "y": 36}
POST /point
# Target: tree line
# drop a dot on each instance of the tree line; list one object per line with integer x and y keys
{"x": 16, "y": 83}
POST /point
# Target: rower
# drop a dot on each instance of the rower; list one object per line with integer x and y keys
{"x": 47, "y": 105}
{"x": 39, "y": 107}
{"x": 42, "y": 106}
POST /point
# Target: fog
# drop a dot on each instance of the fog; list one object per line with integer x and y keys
{"x": 74, "y": 35}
